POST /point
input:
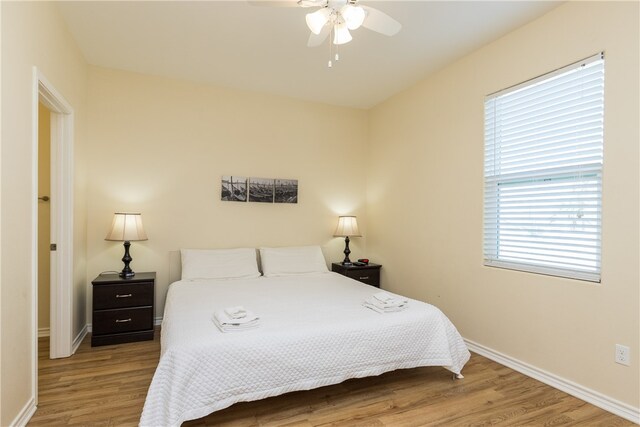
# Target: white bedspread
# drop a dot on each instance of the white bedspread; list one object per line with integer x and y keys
{"x": 314, "y": 331}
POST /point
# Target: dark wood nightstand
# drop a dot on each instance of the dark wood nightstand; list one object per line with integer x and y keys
{"x": 369, "y": 274}
{"x": 122, "y": 308}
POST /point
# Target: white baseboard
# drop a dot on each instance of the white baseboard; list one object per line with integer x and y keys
{"x": 156, "y": 322}
{"x": 78, "y": 339}
{"x": 607, "y": 403}
{"x": 43, "y": 332}
{"x": 25, "y": 414}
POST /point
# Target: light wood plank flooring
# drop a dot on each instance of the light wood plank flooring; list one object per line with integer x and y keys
{"x": 106, "y": 386}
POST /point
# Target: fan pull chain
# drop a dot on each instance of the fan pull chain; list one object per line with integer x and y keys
{"x": 330, "y": 64}
{"x": 331, "y": 55}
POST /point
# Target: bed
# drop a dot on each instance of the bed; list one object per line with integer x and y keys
{"x": 314, "y": 331}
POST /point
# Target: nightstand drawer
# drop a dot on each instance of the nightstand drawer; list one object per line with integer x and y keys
{"x": 370, "y": 277}
{"x": 120, "y": 296}
{"x": 368, "y": 274}
{"x": 122, "y": 320}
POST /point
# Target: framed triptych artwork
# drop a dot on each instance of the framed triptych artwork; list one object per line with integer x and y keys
{"x": 258, "y": 190}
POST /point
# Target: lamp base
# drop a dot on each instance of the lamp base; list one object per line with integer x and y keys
{"x": 347, "y": 251}
{"x": 126, "y": 272}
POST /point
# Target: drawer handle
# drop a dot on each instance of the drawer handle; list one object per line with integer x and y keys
{"x": 124, "y": 296}
{"x": 123, "y": 320}
{"x": 364, "y": 278}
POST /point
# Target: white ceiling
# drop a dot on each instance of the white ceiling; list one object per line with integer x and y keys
{"x": 237, "y": 45}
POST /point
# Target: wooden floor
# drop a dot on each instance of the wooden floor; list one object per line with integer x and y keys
{"x": 106, "y": 386}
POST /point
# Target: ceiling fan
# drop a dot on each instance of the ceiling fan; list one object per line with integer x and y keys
{"x": 340, "y": 16}
{"x": 337, "y": 17}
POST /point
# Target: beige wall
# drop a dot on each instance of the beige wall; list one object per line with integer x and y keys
{"x": 425, "y": 186}
{"x": 160, "y": 146}
{"x": 44, "y": 214}
{"x": 32, "y": 34}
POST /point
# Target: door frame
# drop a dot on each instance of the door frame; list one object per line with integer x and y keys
{"x": 62, "y": 127}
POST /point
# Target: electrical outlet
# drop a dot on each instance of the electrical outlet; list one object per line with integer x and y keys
{"x": 623, "y": 355}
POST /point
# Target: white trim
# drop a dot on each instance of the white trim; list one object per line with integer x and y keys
{"x": 43, "y": 332}
{"x": 33, "y": 399}
{"x": 78, "y": 339}
{"x": 548, "y": 271}
{"x": 25, "y": 414}
{"x": 607, "y": 403}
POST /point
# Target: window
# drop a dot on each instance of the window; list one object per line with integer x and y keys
{"x": 543, "y": 173}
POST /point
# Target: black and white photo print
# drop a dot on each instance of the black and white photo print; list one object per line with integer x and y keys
{"x": 234, "y": 188}
{"x": 286, "y": 191}
{"x": 261, "y": 190}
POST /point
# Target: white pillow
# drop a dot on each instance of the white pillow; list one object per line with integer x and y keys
{"x": 219, "y": 263}
{"x": 292, "y": 260}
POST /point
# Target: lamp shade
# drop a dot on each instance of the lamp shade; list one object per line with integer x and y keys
{"x": 347, "y": 226}
{"x": 126, "y": 227}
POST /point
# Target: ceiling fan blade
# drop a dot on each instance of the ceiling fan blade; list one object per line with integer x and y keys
{"x": 380, "y": 22}
{"x": 312, "y": 3}
{"x": 287, "y": 3}
{"x": 273, "y": 3}
{"x": 317, "y": 39}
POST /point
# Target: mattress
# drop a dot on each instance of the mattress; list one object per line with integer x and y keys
{"x": 313, "y": 332}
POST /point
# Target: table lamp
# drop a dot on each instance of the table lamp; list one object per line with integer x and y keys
{"x": 126, "y": 227}
{"x": 347, "y": 226}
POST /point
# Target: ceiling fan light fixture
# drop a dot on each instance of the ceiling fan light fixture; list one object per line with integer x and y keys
{"x": 353, "y": 15}
{"x": 341, "y": 33}
{"x": 318, "y": 19}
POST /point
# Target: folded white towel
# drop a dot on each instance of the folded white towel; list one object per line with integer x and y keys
{"x": 382, "y": 310}
{"x": 235, "y": 328}
{"x": 226, "y": 323}
{"x": 237, "y": 312}
{"x": 382, "y": 296}
{"x": 383, "y": 302}
{"x": 385, "y": 299}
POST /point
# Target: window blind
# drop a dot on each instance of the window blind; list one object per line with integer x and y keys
{"x": 543, "y": 173}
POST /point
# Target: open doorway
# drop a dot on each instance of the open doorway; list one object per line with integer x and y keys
{"x": 44, "y": 220}
{"x": 47, "y": 101}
